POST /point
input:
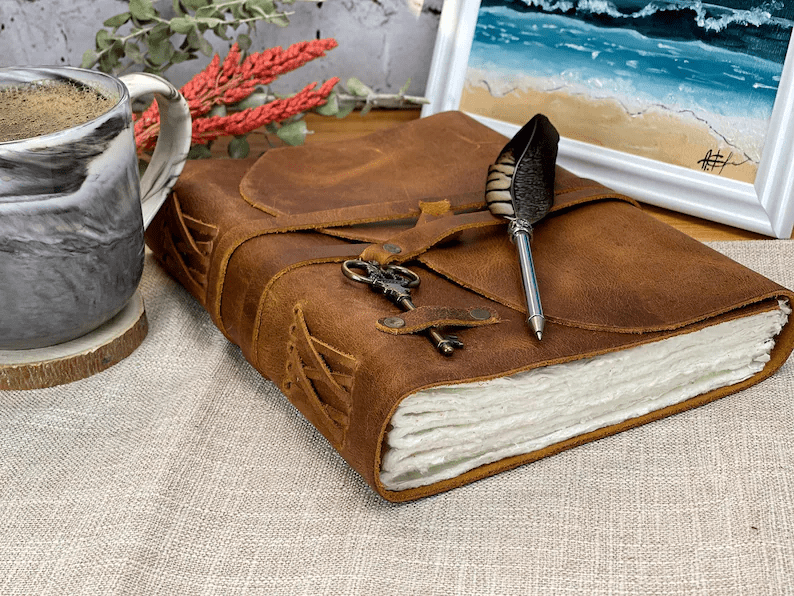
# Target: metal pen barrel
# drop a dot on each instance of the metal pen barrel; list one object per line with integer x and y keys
{"x": 535, "y": 318}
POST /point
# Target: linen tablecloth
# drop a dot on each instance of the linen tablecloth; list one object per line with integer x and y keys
{"x": 182, "y": 471}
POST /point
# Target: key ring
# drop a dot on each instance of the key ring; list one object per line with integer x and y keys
{"x": 395, "y": 283}
{"x": 374, "y": 272}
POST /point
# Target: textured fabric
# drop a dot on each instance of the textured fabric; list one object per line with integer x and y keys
{"x": 182, "y": 471}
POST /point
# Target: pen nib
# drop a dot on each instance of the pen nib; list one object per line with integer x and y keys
{"x": 536, "y": 323}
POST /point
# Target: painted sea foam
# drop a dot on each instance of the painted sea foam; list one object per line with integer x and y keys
{"x": 719, "y": 64}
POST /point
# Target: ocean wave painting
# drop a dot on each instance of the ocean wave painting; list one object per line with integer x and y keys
{"x": 682, "y": 81}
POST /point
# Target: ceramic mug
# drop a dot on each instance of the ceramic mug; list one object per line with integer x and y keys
{"x": 73, "y": 209}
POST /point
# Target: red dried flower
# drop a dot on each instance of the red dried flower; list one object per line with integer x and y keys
{"x": 233, "y": 81}
{"x": 209, "y": 129}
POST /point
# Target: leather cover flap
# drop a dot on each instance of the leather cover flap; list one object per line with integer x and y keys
{"x": 383, "y": 167}
{"x": 594, "y": 274}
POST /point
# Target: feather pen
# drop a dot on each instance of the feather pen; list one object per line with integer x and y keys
{"x": 520, "y": 188}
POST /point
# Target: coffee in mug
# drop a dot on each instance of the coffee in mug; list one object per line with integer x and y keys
{"x": 44, "y": 107}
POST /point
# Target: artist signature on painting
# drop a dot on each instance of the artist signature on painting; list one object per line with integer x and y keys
{"x": 714, "y": 161}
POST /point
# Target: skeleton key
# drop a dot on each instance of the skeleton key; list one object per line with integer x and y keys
{"x": 395, "y": 283}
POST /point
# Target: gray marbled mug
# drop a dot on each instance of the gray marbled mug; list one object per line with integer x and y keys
{"x": 73, "y": 209}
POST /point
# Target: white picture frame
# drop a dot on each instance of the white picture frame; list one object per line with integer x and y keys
{"x": 765, "y": 206}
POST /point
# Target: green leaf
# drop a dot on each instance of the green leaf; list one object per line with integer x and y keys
{"x": 217, "y": 110}
{"x": 220, "y": 31}
{"x": 193, "y": 39}
{"x": 118, "y": 20}
{"x": 161, "y": 53}
{"x": 268, "y": 7}
{"x": 133, "y": 52}
{"x": 365, "y": 110}
{"x": 330, "y": 107}
{"x": 358, "y": 88}
{"x": 280, "y": 20}
{"x": 244, "y": 41}
{"x": 345, "y": 109}
{"x": 143, "y": 10}
{"x": 293, "y": 133}
{"x": 106, "y": 63}
{"x": 238, "y": 148}
{"x": 89, "y": 59}
{"x": 110, "y": 59}
{"x": 182, "y": 57}
{"x": 208, "y": 11}
{"x": 178, "y": 7}
{"x": 181, "y": 25}
{"x": 195, "y": 4}
{"x": 103, "y": 39}
{"x": 210, "y": 21}
{"x": 252, "y": 101}
{"x": 199, "y": 152}
{"x": 159, "y": 33}
{"x": 117, "y": 49}
{"x": 205, "y": 47}
{"x": 239, "y": 13}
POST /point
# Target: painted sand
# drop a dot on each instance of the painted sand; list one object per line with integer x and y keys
{"x": 655, "y": 132}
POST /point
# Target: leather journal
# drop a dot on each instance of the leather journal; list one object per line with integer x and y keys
{"x": 641, "y": 320}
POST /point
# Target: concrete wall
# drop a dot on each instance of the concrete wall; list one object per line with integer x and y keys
{"x": 382, "y": 42}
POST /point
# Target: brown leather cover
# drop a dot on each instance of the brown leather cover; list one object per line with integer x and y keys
{"x": 259, "y": 243}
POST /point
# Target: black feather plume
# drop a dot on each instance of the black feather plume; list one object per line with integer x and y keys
{"x": 521, "y": 183}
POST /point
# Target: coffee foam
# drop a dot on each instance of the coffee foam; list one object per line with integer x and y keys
{"x": 47, "y": 106}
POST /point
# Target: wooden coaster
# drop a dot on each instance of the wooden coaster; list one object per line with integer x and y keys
{"x": 79, "y": 358}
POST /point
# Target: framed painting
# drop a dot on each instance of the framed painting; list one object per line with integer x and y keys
{"x": 678, "y": 103}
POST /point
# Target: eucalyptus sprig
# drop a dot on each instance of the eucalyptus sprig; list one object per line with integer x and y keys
{"x": 343, "y": 100}
{"x": 142, "y": 35}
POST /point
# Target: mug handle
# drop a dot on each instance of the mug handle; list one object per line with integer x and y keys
{"x": 173, "y": 144}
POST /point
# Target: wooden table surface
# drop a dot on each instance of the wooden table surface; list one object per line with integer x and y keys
{"x": 325, "y": 129}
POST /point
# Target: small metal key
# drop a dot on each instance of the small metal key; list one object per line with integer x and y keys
{"x": 395, "y": 283}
